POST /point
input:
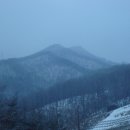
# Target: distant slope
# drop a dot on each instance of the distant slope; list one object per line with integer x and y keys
{"x": 43, "y": 69}
{"x": 38, "y": 72}
{"x": 79, "y": 56}
{"x": 83, "y": 52}
{"x": 119, "y": 119}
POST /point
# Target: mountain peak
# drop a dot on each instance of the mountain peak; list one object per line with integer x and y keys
{"x": 55, "y": 47}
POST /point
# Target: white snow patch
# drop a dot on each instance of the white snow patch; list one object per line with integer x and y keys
{"x": 117, "y": 118}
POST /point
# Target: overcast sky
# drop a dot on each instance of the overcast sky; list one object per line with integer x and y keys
{"x": 100, "y": 26}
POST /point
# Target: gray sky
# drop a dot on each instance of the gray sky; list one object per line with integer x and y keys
{"x": 100, "y": 26}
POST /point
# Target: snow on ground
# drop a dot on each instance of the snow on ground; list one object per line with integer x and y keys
{"x": 119, "y": 113}
{"x": 119, "y": 117}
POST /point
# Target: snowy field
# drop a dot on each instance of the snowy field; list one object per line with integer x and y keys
{"x": 119, "y": 117}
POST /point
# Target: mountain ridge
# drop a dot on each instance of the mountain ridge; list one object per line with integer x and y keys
{"x": 54, "y": 48}
{"x": 45, "y": 68}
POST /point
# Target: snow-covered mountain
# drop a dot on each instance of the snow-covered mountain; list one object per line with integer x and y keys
{"x": 45, "y": 68}
{"x": 79, "y": 56}
{"x": 58, "y": 90}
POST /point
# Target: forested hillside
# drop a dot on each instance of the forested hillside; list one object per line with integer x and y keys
{"x": 52, "y": 91}
{"x": 109, "y": 85}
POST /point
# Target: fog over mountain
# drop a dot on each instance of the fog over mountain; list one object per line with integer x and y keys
{"x": 65, "y": 65}
{"x": 101, "y": 27}
{"x": 67, "y": 85}
{"x": 43, "y": 69}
